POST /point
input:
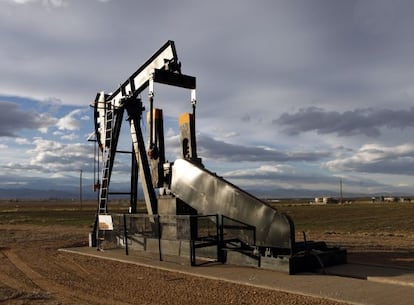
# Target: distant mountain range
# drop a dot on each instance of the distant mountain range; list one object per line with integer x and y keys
{"x": 27, "y": 193}
{"x": 87, "y": 193}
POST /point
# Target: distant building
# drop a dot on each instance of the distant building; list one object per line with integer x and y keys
{"x": 318, "y": 200}
{"x": 391, "y": 199}
{"x": 325, "y": 200}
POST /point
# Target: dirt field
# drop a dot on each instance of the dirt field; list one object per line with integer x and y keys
{"x": 32, "y": 271}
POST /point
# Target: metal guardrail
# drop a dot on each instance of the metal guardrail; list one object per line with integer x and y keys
{"x": 200, "y": 231}
{"x": 235, "y": 230}
{"x": 207, "y": 235}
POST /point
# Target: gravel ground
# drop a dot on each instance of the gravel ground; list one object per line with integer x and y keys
{"x": 32, "y": 271}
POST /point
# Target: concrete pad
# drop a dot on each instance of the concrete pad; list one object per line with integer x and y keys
{"x": 381, "y": 289}
{"x": 375, "y": 273}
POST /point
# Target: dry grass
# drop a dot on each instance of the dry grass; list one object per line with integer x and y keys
{"x": 360, "y": 216}
{"x": 393, "y": 218}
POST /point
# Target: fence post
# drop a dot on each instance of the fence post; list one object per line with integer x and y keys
{"x": 193, "y": 235}
{"x": 159, "y": 237}
{"x": 218, "y": 237}
{"x": 221, "y": 240}
{"x": 125, "y": 236}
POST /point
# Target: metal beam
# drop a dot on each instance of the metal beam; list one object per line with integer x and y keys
{"x": 138, "y": 81}
{"x": 174, "y": 79}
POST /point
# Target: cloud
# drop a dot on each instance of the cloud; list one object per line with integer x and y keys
{"x": 375, "y": 158}
{"x": 72, "y": 136}
{"x": 218, "y": 150}
{"x": 22, "y": 1}
{"x": 46, "y": 3}
{"x": 54, "y": 157}
{"x": 22, "y": 141}
{"x": 268, "y": 171}
{"x": 282, "y": 174}
{"x": 13, "y": 120}
{"x": 363, "y": 121}
{"x": 276, "y": 179}
{"x": 351, "y": 61}
{"x": 49, "y": 3}
{"x": 70, "y": 121}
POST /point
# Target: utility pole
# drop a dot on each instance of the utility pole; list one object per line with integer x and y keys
{"x": 80, "y": 190}
{"x": 340, "y": 189}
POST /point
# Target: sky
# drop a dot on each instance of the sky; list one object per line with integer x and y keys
{"x": 292, "y": 95}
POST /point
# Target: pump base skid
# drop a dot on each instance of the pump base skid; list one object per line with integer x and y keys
{"x": 179, "y": 250}
{"x": 196, "y": 239}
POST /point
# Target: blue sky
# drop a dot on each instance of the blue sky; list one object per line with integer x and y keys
{"x": 292, "y": 95}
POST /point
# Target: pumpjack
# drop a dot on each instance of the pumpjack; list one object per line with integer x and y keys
{"x": 259, "y": 231}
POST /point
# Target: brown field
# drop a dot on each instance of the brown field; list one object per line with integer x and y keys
{"x": 32, "y": 271}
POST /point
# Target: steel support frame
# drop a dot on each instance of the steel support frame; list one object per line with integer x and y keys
{"x": 134, "y": 109}
{"x": 162, "y": 67}
{"x": 134, "y": 182}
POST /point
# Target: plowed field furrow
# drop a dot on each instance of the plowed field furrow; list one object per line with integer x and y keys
{"x": 69, "y": 295}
